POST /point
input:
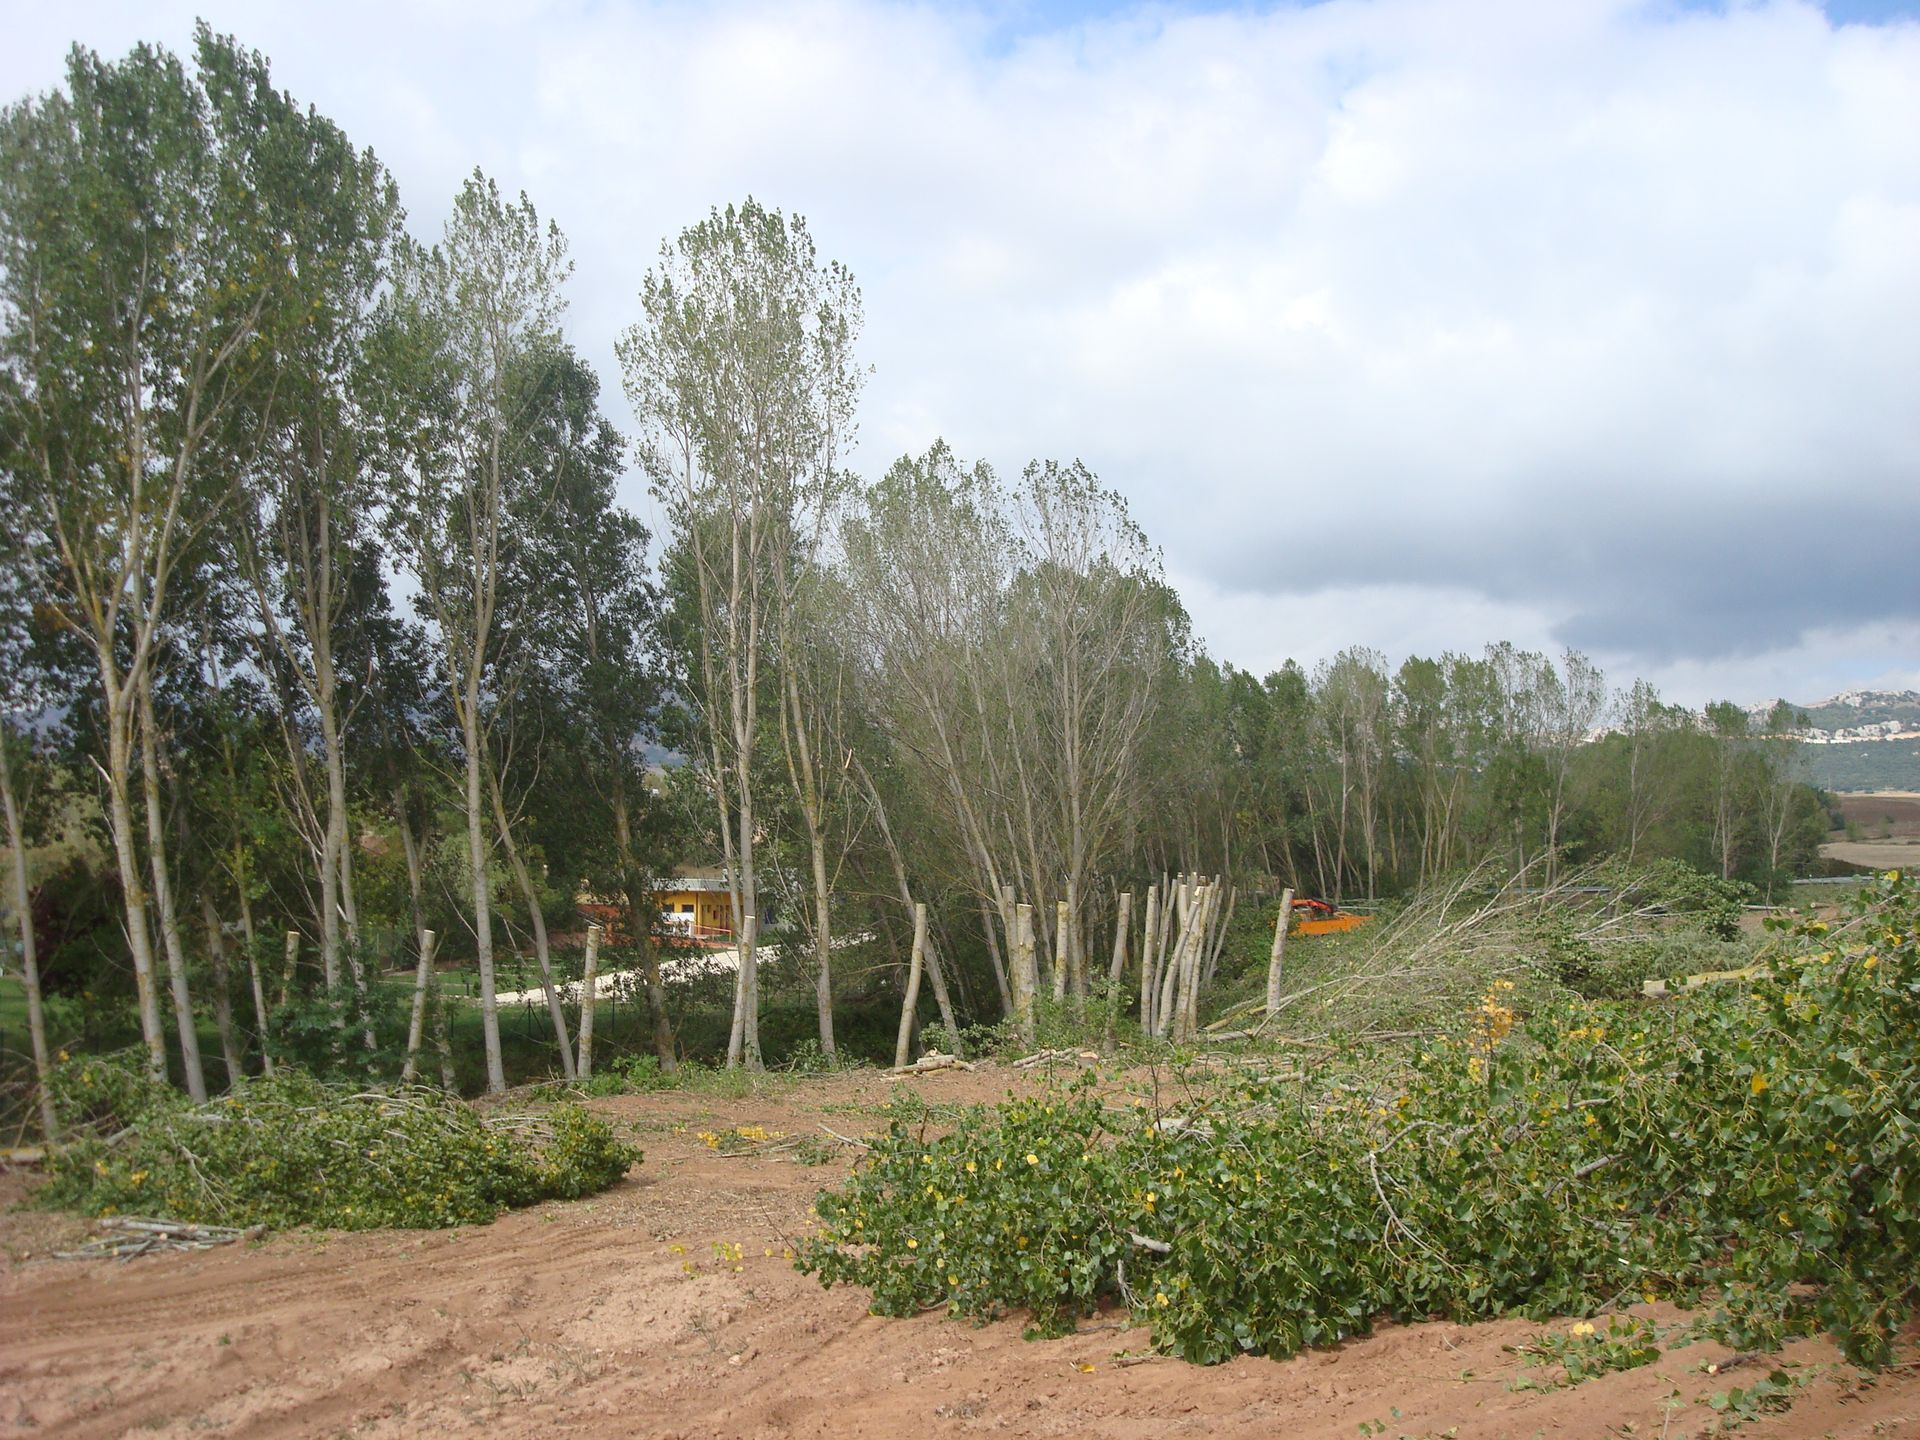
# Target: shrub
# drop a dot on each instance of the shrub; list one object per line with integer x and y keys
{"x": 294, "y": 1151}
{"x": 1750, "y": 1147}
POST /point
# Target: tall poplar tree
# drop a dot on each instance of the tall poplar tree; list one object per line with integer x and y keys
{"x": 466, "y": 320}
{"x": 741, "y": 375}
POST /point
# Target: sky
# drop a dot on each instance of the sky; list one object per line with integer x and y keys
{"x": 1409, "y": 325}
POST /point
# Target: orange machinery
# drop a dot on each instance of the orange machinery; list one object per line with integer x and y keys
{"x": 1317, "y": 917}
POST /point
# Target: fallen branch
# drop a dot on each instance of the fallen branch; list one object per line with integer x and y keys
{"x": 846, "y": 1139}
{"x": 132, "y": 1236}
{"x": 1052, "y": 1057}
{"x": 932, "y": 1060}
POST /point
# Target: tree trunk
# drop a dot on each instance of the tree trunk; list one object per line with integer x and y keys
{"x": 743, "y": 1044}
{"x": 743, "y": 1047}
{"x": 29, "y": 955}
{"x": 1061, "y": 922}
{"x": 541, "y": 954}
{"x": 133, "y": 888}
{"x": 990, "y": 913}
{"x": 1077, "y": 980}
{"x": 449, "y": 1077}
{"x": 253, "y": 967}
{"x": 639, "y": 920}
{"x": 912, "y": 1000}
{"x": 477, "y": 849}
{"x": 1118, "y": 968}
{"x": 1165, "y": 1015}
{"x": 417, "y": 1019}
{"x": 292, "y": 964}
{"x": 822, "y": 940}
{"x": 338, "y": 887}
{"x": 1149, "y": 959}
{"x": 222, "y": 1000}
{"x": 589, "y": 973}
{"x": 163, "y": 896}
{"x": 1026, "y": 978}
{"x": 1188, "y": 1018}
{"x": 1220, "y": 933}
{"x": 811, "y": 802}
{"x": 1276, "y": 961}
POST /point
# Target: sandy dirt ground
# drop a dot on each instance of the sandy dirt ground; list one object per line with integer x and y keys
{"x": 1903, "y": 854}
{"x": 621, "y": 1316}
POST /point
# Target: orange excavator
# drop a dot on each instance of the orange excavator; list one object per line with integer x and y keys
{"x": 1317, "y": 917}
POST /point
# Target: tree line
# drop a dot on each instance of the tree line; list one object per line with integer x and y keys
{"x": 325, "y": 638}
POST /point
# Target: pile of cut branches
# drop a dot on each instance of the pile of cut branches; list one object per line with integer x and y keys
{"x": 1746, "y": 1149}
{"x": 1597, "y": 931}
{"x": 291, "y": 1150}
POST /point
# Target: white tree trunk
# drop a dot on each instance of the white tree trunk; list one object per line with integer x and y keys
{"x": 260, "y": 1016}
{"x": 1026, "y": 978}
{"x": 1061, "y": 943}
{"x": 1150, "y": 960}
{"x": 912, "y": 1000}
{"x": 541, "y": 952}
{"x": 163, "y": 898}
{"x": 1118, "y": 968}
{"x": 417, "y": 1019}
{"x": 477, "y": 849}
{"x": 29, "y": 955}
{"x": 222, "y": 999}
{"x": 589, "y": 973}
{"x": 1276, "y": 959}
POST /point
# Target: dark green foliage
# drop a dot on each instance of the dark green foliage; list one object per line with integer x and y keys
{"x": 1746, "y": 1147}
{"x": 294, "y": 1151}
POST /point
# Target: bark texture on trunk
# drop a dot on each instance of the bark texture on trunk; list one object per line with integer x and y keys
{"x": 1276, "y": 960}
{"x": 29, "y": 955}
{"x": 912, "y": 998}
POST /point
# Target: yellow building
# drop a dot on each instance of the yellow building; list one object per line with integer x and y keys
{"x": 694, "y": 902}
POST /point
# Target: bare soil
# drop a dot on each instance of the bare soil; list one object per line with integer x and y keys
{"x": 1882, "y": 815}
{"x": 1902, "y": 854}
{"x": 627, "y": 1315}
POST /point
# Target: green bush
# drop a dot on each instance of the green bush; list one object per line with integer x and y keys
{"x": 293, "y": 1151}
{"x": 1747, "y": 1147}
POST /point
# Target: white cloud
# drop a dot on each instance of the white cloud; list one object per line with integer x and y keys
{"x": 1408, "y": 324}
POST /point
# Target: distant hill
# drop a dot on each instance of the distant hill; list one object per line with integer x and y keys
{"x": 1865, "y": 765}
{"x": 1860, "y": 739}
{"x": 1855, "y": 717}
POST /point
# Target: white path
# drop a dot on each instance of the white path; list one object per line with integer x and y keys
{"x": 628, "y": 983}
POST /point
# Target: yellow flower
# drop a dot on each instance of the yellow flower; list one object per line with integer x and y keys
{"x": 1759, "y": 1085}
{"x": 912, "y": 1244}
{"x": 1160, "y": 1299}
{"x": 970, "y": 1167}
{"x": 1583, "y": 1328}
{"x": 1870, "y": 962}
{"x": 1032, "y": 1159}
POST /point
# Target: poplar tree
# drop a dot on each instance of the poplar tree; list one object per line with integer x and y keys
{"x": 160, "y": 235}
{"x": 464, "y": 324}
{"x": 741, "y": 375}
